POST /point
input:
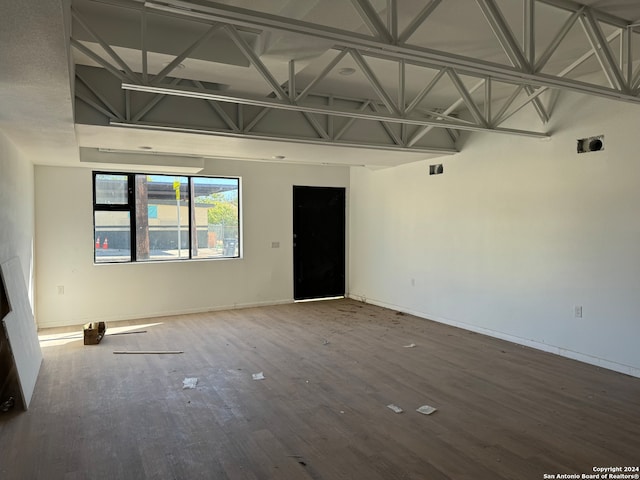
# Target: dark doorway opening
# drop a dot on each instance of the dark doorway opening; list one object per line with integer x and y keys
{"x": 318, "y": 242}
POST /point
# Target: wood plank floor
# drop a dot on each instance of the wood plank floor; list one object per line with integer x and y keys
{"x": 331, "y": 368}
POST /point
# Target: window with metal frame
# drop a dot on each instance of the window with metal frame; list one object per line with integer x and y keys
{"x": 148, "y": 217}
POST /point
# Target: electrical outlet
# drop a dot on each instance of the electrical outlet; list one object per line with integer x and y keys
{"x": 60, "y": 289}
{"x": 577, "y": 311}
{"x": 413, "y": 282}
{"x": 275, "y": 244}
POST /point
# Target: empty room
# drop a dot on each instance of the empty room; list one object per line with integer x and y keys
{"x": 319, "y": 239}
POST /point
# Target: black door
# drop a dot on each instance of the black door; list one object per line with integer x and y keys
{"x": 318, "y": 242}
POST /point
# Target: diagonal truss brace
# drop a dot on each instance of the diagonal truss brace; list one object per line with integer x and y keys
{"x": 517, "y": 56}
{"x": 399, "y": 113}
{"x": 322, "y": 109}
{"x": 603, "y": 52}
{"x": 236, "y": 126}
{"x": 376, "y": 47}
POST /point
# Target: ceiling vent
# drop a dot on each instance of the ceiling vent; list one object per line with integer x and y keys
{"x": 436, "y": 169}
{"x": 591, "y": 144}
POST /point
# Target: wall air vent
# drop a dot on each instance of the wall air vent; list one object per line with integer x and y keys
{"x": 591, "y": 144}
{"x": 436, "y": 169}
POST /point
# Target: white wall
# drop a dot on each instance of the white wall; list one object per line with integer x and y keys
{"x": 16, "y": 209}
{"x": 513, "y": 235}
{"x": 64, "y": 249}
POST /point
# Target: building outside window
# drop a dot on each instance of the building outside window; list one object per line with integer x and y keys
{"x": 140, "y": 217}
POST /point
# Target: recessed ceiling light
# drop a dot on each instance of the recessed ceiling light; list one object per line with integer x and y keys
{"x": 145, "y": 147}
{"x": 347, "y": 71}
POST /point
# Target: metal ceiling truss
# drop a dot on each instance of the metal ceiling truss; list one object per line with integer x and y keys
{"x": 320, "y": 110}
{"x": 246, "y": 122}
{"x": 382, "y": 43}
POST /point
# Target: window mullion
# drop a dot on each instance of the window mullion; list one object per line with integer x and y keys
{"x": 191, "y": 214}
{"x": 132, "y": 216}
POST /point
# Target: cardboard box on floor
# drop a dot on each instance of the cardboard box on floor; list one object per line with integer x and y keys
{"x": 93, "y": 332}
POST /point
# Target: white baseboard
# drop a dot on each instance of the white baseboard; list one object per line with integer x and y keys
{"x": 581, "y": 357}
{"x": 163, "y": 313}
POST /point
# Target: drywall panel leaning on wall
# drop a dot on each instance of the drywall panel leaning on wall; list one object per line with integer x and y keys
{"x": 21, "y": 329}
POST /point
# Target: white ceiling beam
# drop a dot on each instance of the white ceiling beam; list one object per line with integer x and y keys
{"x": 626, "y": 56}
{"x": 100, "y": 61}
{"x": 557, "y": 40}
{"x": 316, "y": 125}
{"x": 260, "y": 115}
{"x": 153, "y": 102}
{"x": 488, "y": 100}
{"x": 330, "y": 123}
{"x": 586, "y": 56}
{"x": 418, "y": 20}
{"x": 503, "y": 33}
{"x": 392, "y": 135}
{"x": 375, "y": 83}
{"x": 143, "y": 46}
{"x": 537, "y": 103}
{"x": 531, "y": 96}
{"x": 372, "y": 20}
{"x": 424, "y": 92}
{"x": 509, "y": 44}
{"x": 392, "y": 19}
{"x": 325, "y": 71}
{"x": 402, "y": 84}
{"x": 373, "y": 47}
{"x": 107, "y": 113}
{"x": 505, "y": 106}
{"x": 575, "y": 64}
{"x": 347, "y": 126}
{"x": 291, "y": 87}
{"x": 326, "y": 110}
{"x": 218, "y": 109}
{"x": 453, "y": 135}
{"x": 255, "y": 61}
{"x": 188, "y": 51}
{"x": 529, "y": 31}
{"x": 107, "y": 48}
{"x": 127, "y": 106}
{"x": 422, "y": 131}
{"x": 603, "y": 52}
{"x": 466, "y": 96}
{"x": 571, "y": 6}
{"x": 288, "y": 138}
{"x": 116, "y": 113}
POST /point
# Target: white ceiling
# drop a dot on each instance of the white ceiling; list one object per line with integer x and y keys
{"x": 36, "y": 110}
{"x": 36, "y": 87}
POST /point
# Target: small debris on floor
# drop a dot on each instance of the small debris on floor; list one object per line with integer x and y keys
{"x": 325, "y": 342}
{"x": 426, "y": 409}
{"x": 257, "y": 376}
{"x": 411, "y": 345}
{"x": 401, "y": 314}
{"x": 189, "y": 382}
{"x": 395, "y": 408}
